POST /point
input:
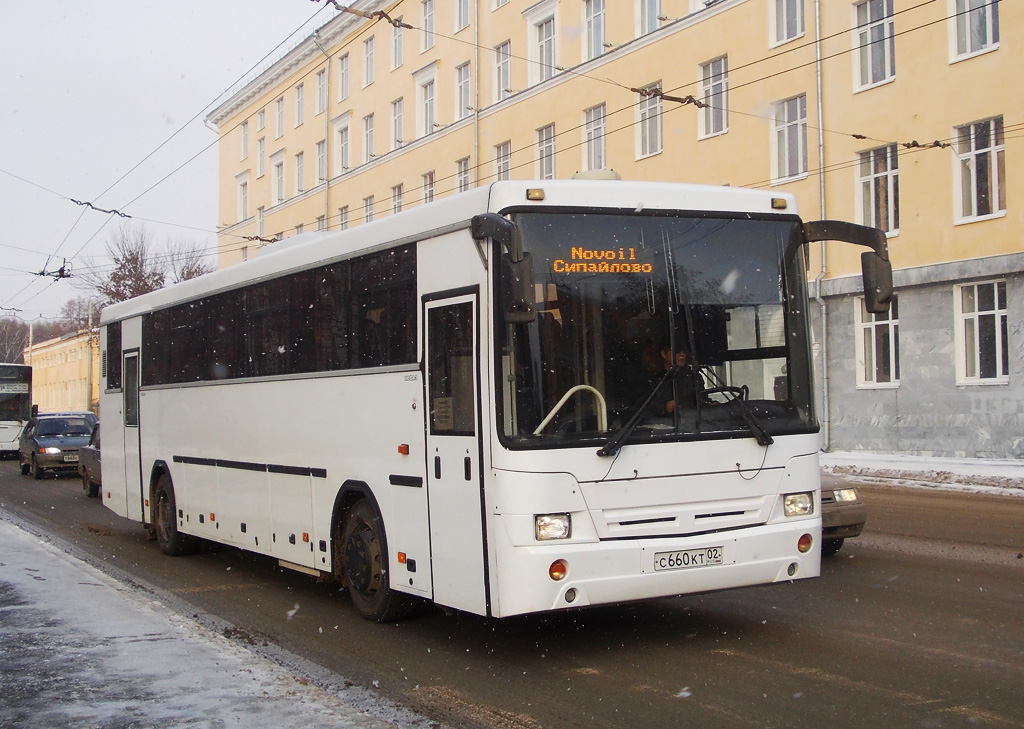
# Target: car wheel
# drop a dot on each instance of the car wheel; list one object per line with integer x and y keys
{"x": 831, "y": 546}
{"x": 165, "y": 521}
{"x": 365, "y": 568}
{"x": 37, "y": 470}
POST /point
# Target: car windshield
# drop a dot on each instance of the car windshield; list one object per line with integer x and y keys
{"x": 652, "y": 326}
{"x": 63, "y": 426}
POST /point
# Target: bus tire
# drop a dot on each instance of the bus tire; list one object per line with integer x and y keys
{"x": 365, "y": 567}
{"x": 165, "y": 521}
{"x": 831, "y": 546}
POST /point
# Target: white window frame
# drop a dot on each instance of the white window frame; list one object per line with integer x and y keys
{"x": 427, "y": 10}
{"x": 787, "y": 21}
{"x": 397, "y": 198}
{"x": 261, "y": 157}
{"x": 343, "y": 217}
{"x": 877, "y": 346}
{"x": 342, "y": 144}
{"x": 321, "y": 91}
{"x": 594, "y": 29}
{"x": 278, "y": 189}
{"x": 368, "y": 138}
{"x": 321, "y": 161}
{"x": 368, "y": 53}
{"x": 244, "y": 130}
{"x": 397, "y": 123}
{"x": 463, "y": 90}
{"x": 428, "y": 186}
{"x": 878, "y": 188}
{"x": 594, "y": 130}
{"x": 968, "y": 324}
{"x": 966, "y": 171}
{"x": 789, "y": 129}
{"x": 649, "y": 122}
{"x": 503, "y": 160}
{"x": 397, "y": 45}
{"x": 300, "y": 173}
{"x": 463, "y": 175}
{"x": 426, "y": 99}
{"x": 300, "y": 105}
{"x": 648, "y": 16}
{"x": 461, "y": 15}
{"x": 875, "y": 43}
{"x": 973, "y": 28}
{"x": 503, "y": 70}
{"x": 368, "y": 209}
{"x": 714, "y": 93}
{"x": 261, "y": 120}
{"x": 279, "y": 118}
{"x": 242, "y": 187}
{"x": 542, "y": 48}
{"x": 343, "y": 79}
{"x": 546, "y": 152}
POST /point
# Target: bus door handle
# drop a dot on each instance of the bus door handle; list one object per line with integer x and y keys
{"x": 437, "y": 467}
{"x": 469, "y": 469}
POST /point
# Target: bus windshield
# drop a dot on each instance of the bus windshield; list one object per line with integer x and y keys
{"x": 653, "y": 326}
{"x": 15, "y": 393}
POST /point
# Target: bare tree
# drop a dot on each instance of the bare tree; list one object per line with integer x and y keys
{"x": 136, "y": 268}
{"x": 78, "y": 312}
{"x": 13, "y": 339}
{"x": 186, "y": 259}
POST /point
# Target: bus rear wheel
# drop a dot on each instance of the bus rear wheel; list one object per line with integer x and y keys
{"x": 165, "y": 521}
{"x": 365, "y": 567}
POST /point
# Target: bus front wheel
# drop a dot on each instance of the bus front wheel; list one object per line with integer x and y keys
{"x": 165, "y": 521}
{"x": 365, "y": 567}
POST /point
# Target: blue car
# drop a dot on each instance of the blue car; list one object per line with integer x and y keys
{"x": 51, "y": 442}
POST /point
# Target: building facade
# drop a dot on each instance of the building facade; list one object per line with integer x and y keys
{"x": 885, "y": 112}
{"x": 65, "y": 372}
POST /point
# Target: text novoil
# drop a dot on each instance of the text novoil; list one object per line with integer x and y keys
{"x": 585, "y": 260}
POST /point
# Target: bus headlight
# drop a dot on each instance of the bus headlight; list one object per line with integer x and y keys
{"x": 552, "y": 526}
{"x": 798, "y": 504}
{"x": 845, "y": 494}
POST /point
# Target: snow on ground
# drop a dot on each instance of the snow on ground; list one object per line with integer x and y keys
{"x": 80, "y": 649}
{"x": 1004, "y": 477}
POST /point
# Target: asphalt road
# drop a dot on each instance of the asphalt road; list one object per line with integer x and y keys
{"x": 918, "y": 623}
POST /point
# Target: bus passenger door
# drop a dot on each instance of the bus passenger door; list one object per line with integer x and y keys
{"x": 454, "y": 483}
{"x": 132, "y": 443}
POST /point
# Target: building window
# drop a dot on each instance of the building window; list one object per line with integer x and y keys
{"x": 368, "y": 61}
{"x": 503, "y": 70}
{"x": 546, "y": 152}
{"x": 876, "y": 42}
{"x": 397, "y": 195}
{"x": 261, "y": 120}
{"x": 299, "y": 228}
{"x": 461, "y": 14}
{"x": 714, "y": 88}
{"x": 791, "y": 138}
{"x": 650, "y": 12}
{"x": 261, "y": 157}
{"x": 261, "y": 221}
{"x": 593, "y": 13}
{"x": 880, "y": 188}
{"x": 463, "y": 101}
{"x": 462, "y": 174}
{"x": 649, "y": 120}
{"x": 299, "y": 173}
{"x": 368, "y": 209}
{"x": 321, "y": 222}
{"x": 428, "y": 187}
{"x": 977, "y": 26}
{"x": 368, "y": 138}
{"x": 343, "y": 77}
{"x": 243, "y": 198}
{"x": 278, "y": 181}
{"x": 788, "y": 20}
{"x": 397, "y": 47}
{"x": 343, "y": 218}
{"x": 397, "y": 123}
{"x": 593, "y": 138}
{"x": 982, "y": 168}
{"x": 428, "y": 106}
{"x": 321, "y": 91}
{"x": 981, "y": 337}
{"x": 279, "y": 114}
{"x": 341, "y": 153}
{"x": 244, "y": 129}
{"x": 545, "y": 44}
{"x": 321, "y": 161}
{"x": 300, "y": 105}
{"x": 502, "y": 161}
{"x": 428, "y": 24}
{"x": 878, "y": 346}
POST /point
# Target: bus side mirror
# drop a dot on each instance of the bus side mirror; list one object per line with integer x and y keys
{"x": 519, "y": 295}
{"x": 877, "y": 275}
{"x": 502, "y": 230}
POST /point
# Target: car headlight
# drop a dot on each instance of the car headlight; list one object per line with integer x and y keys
{"x": 50, "y": 451}
{"x": 845, "y": 494}
{"x": 798, "y": 504}
{"x": 552, "y": 526}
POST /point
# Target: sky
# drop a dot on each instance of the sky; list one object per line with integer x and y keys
{"x": 89, "y": 90}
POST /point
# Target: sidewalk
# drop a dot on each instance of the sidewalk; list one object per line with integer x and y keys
{"x": 967, "y": 474}
{"x": 79, "y": 649}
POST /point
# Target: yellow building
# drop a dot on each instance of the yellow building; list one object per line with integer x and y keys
{"x": 886, "y": 112}
{"x": 65, "y": 372}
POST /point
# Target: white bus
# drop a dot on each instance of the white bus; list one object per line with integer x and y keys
{"x": 15, "y": 404}
{"x": 526, "y": 397}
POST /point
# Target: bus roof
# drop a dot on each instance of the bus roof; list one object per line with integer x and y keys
{"x": 309, "y": 250}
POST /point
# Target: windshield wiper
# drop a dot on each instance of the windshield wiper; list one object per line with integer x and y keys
{"x": 615, "y": 442}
